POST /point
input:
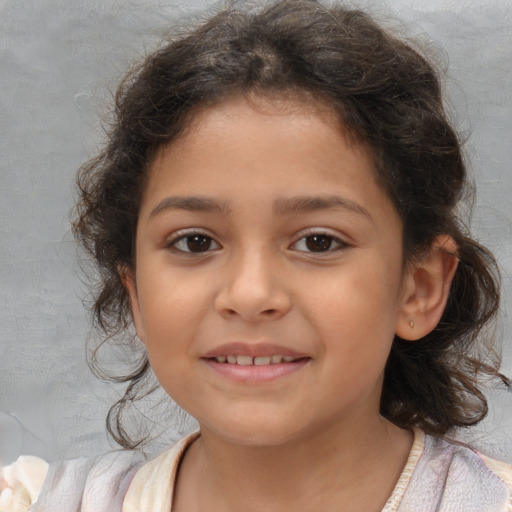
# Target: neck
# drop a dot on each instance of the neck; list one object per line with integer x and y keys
{"x": 313, "y": 472}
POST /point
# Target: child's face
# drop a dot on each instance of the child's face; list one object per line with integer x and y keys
{"x": 263, "y": 233}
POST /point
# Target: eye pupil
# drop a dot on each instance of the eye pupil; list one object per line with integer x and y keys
{"x": 318, "y": 243}
{"x": 198, "y": 243}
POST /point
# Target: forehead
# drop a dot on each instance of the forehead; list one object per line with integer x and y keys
{"x": 240, "y": 116}
{"x": 270, "y": 108}
{"x": 263, "y": 147}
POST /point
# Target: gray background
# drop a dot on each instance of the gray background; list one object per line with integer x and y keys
{"x": 59, "y": 62}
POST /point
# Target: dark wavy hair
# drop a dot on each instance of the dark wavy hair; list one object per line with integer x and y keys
{"x": 388, "y": 97}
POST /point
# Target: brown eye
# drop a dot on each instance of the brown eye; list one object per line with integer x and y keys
{"x": 198, "y": 243}
{"x": 319, "y": 243}
{"x": 194, "y": 243}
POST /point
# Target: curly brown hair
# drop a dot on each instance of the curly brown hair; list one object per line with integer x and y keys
{"x": 388, "y": 97}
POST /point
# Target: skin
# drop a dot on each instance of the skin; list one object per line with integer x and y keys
{"x": 304, "y": 440}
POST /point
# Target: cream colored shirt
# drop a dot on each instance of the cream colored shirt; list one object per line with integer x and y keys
{"x": 439, "y": 476}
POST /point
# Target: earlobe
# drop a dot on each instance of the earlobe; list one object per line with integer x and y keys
{"x": 128, "y": 278}
{"x": 426, "y": 290}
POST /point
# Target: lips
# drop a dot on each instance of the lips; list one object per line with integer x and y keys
{"x": 254, "y": 363}
{"x": 253, "y": 350}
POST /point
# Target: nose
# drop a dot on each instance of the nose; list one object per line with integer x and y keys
{"x": 253, "y": 288}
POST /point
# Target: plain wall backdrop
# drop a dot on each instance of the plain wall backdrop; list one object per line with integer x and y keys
{"x": 59, "y": 62}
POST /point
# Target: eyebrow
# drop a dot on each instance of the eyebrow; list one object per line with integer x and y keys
{"x": 191, "y": 204}
{"x": 282, "y": 206}
{"x": 315, "y": 203}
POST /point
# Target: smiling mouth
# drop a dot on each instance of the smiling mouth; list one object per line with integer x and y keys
{"x": 255, "y": 370}
{"x": 255, "y": 361}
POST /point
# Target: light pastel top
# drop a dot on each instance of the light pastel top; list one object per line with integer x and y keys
{"x": 439, "y": 476}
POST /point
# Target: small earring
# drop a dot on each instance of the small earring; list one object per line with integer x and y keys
{"x": 411, "y": 324}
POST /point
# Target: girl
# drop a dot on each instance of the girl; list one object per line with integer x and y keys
{"x": 276, "y": 213}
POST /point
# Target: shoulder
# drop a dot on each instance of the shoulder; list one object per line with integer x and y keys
{"x": 455, "y": 477}
{"x": 152, "y": 487}
{"x": 84, "y": 484}
{"x": 20, "y": 483}
{"x": 487, "y": 481}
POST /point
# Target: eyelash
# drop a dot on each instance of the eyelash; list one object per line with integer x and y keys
{"x": 209, "y": 241}
{"x": 186, "y": 237}
{"x": 338, "y": 243}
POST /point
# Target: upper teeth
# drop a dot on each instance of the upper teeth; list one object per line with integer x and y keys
{"x": 257, "y": 361}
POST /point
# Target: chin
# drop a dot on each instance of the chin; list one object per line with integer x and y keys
{"x": 249, "y": 431}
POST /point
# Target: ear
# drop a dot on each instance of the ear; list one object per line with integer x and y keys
{"x": 426, "y": 289}
{"x": 128, "y": 278}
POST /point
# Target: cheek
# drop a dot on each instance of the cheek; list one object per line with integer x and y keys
{"x": 171, "y": 306}
{"x": 171, "y": 316}
{"x": 354, "y": 315}
{"x": 348, "y": 298}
